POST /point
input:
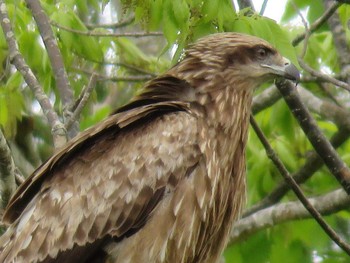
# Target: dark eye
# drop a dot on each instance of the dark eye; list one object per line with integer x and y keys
{"x": 261, "y": 53}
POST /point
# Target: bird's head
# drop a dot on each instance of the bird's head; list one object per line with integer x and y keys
{"x": 232, "y": 57}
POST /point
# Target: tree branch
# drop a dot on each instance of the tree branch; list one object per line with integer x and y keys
{"x": 339, "y": 36}
{"x": 318, "y": 23}
{"x": 283, "y": 171}
{"x": 284, "y": 212}
{"x": 57, "y": 128}
{"x": 130, "y": 67}
{"x": 116, "y": 25}
{"x": 56, "y": 60}
{"x": 322, "y": 146}
{"x": 340, "y": 41}
{"x": 265, "y": 99}
{"x": 326, "y": 109}
{"x": 82, "y": 100}
{"x": 322, "y": 76}
{"x": 100, "y": 77}
{"x": 106, "y": 34}
{"x": 312, "y": 164}
{"x": 7, "y": 173}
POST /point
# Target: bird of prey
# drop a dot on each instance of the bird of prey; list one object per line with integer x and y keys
{"x": 160, "y": 180}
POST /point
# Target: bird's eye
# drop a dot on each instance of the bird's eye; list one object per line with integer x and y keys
{"x": 261, "y": 53}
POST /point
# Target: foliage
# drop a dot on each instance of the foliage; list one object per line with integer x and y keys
{"x": 181, "y": 22}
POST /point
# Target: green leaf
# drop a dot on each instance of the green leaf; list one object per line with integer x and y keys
{"x": 156, "y": 14}
{"x": 170, "y": 28}
{"x": 11, "y": 106}
{"x": 316, "y": 10}
{"x": 181, "y": 12}
{"x": 88, "y": 47}
{"x": 130, "y": 53}
{"x": 3, "y": 109}
{"x": 289, "y": 10}
{"x": 241, "y": 25}
{"x": 14, "y": 81}
{"x": 226, "y": 14}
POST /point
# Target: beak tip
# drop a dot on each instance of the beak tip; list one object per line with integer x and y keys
{"x": 292, "y": 73}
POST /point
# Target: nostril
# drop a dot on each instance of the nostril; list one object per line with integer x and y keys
{"x": 286, "y": 63}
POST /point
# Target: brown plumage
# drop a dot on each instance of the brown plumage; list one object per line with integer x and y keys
{"x": 162, "y": 179}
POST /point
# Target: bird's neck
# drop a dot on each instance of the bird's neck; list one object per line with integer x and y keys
{"x": 223, "y": 109}
{"x": 226, "y": 114}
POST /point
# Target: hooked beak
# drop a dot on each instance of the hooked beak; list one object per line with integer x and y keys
{"x": 288, "y": 70}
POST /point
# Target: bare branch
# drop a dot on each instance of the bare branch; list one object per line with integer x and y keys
{"x": 82, "y": 100}
{"x": 265, "y": 99}
{"x": 131, "y": 67}
{"x": 7, "y": 173}
{"x": 263, "y": 7}
{"x": 118, "y": 64}
{"x": 116, "y": 25}
{"x": 101, "y": 77}
{"x": 296, "y": 189}
{"x": 326, "y": 204}
{"x": 106, "y": 34}
{"x": 323, "y": 147}
{"x": 57, "y": 128}
{"x": 326, "y": 109}
{"x": 318, "y": 23}
{"x": 323, "y": 77}
{"x": 56, "y": 59}
{"x": 307, "y": 31}
{"x": 312, "y": 164}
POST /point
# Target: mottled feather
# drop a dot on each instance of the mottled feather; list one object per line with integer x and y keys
{"x": 160, "y": 180}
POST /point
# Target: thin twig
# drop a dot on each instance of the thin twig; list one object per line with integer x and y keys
{"x": 125, "y": 79}
{"x": 307, "y": 30}
{"x": 312, "y": 164}
{"x": 119, "y": 64}
{"x": 116, "y": 25}
{"x": 296, "y": 189}
{"x": 320, "y": 143}
{"x": 313, "y": 161}
{"x": 263, "y": 7}
{"x": 82, "y": 100}
{"x": 100, "y": 77}
{"x": 130, "y": 67}
{"x": 318, "y": 23}
{"x": 323, "y": 77}
{"x": 56, "y": 60}
{"x": 57, "y": 128}
{"x": 106, "y": 34}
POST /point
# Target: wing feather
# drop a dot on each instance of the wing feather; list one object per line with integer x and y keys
{"x": 107, "y": 181}
{"x": 116, "y": 122}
